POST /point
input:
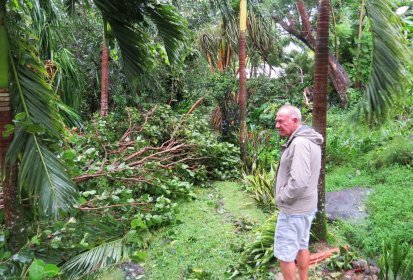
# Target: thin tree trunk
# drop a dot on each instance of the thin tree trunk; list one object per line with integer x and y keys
{"x": 242, "y": 81}
{"x": 12, "y": 207}
{"x": 105, "y": 79}
{"x": 305, "y": 22}
{"x": 356, "y": 80}
{"x": 335, "y": 31}
{"x": 211, "y": 66}
{"x": 320, "y": 107}
{"x": 221, "y": 59}
{"x": 228, "y": 58}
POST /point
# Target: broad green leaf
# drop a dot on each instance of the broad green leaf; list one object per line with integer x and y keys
{"x": 36, "y": 270}
{"x": 138, "y": 256}
{"x": 138, "y": 223}
{"x": 51, "y": 270}
{"x": 20, "y": 116}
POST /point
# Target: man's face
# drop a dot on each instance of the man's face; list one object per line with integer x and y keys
{"x": 285, "y": 124}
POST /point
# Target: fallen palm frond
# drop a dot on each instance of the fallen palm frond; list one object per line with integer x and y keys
{"x": 98, "y": 258}
{"x": 258, "y": 254}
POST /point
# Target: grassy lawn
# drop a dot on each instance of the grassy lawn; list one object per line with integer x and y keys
{"x": 206, "y": 237}
{"x": 390, "y": 206}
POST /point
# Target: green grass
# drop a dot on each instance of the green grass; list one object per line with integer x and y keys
{"x": 239, "y": 203}
{"x": 205, "y": 238}
{"x": 345, "y": 177}
{"x": 390, "y": 206}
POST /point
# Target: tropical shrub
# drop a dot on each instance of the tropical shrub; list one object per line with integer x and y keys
{"x": 261, "y": 184}
{"x": 341, "y": 260}
{"x": 397, "y": 151}
{"x": 394, "y": 260}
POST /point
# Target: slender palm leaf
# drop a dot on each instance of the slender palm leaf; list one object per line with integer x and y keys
{"x": 97, "y": 258}
{"x": 130, "y": 21}
{"x": 70, "y": 6}
{"x": 390, "y": 59}
{"x": 44, "y": 23}
{"x": 68, "y": 84}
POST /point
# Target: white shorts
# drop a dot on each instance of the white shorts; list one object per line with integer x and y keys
{"x": 292, "y": 234}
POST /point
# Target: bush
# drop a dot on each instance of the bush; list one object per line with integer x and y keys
{"x": 261, "y": 184}
{"x": 397, "y": 151}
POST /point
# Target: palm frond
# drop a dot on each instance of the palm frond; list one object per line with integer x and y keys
{"x": 129, "y": 23}
{"x": 70, "y": 116}
{"x": 68, "y": 82}
{"x": 132, "y": 38}
{"x": 44, "y": 177}
{"x": 96, "y": 259}
{"x": 44, "y": 25}
{"x": 171, "y": 27}
{"x": 38, "y": 97}
{"x": 70, "y": 6}
{"x": 41, "y": 173}
{"x": 389, "y": 62}
{"x": 225, "y": 8}
{"x": 208, "y": 43}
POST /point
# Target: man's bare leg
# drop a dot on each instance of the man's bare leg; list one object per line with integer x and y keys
{"x": 288, "y": 270}
{"x": 303, "y": 259}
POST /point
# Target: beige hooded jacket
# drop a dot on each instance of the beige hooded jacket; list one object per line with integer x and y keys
{"x": 298, "y": 172}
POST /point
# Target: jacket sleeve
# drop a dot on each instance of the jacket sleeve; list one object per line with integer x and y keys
{"x": 300, "y": 173}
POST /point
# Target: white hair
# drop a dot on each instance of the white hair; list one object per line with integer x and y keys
{"x": 292, "y": 111}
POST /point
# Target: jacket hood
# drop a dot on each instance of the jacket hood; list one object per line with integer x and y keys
{"x": 309, "y": 133}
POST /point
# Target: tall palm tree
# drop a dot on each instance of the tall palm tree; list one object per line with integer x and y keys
{"x": 105, "y": 75}
{"x": 389, "y": 68}
{"x": 243, "y": 80}
{"x": 320, "y": 105}
{"x": 11, "y": 198}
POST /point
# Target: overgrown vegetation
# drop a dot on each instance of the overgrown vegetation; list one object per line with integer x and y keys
{"x": 116, "y": 193}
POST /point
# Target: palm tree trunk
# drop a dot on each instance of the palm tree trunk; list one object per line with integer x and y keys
{"x": 320, "y": 107}
{"x": 357, "y": 82}
{"x": 12, "y": 207}
{"x": 242, "y": 81}
{"x": 105, "y": 79}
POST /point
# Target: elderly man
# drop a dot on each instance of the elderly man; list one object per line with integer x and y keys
{"x": 296, "y": 191}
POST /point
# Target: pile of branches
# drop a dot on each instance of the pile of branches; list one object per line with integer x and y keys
{"x": 147, "y": 143}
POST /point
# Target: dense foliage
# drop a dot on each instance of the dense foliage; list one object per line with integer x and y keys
{"x": 111, "y": 183}
{"x": 121, "y": 201}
